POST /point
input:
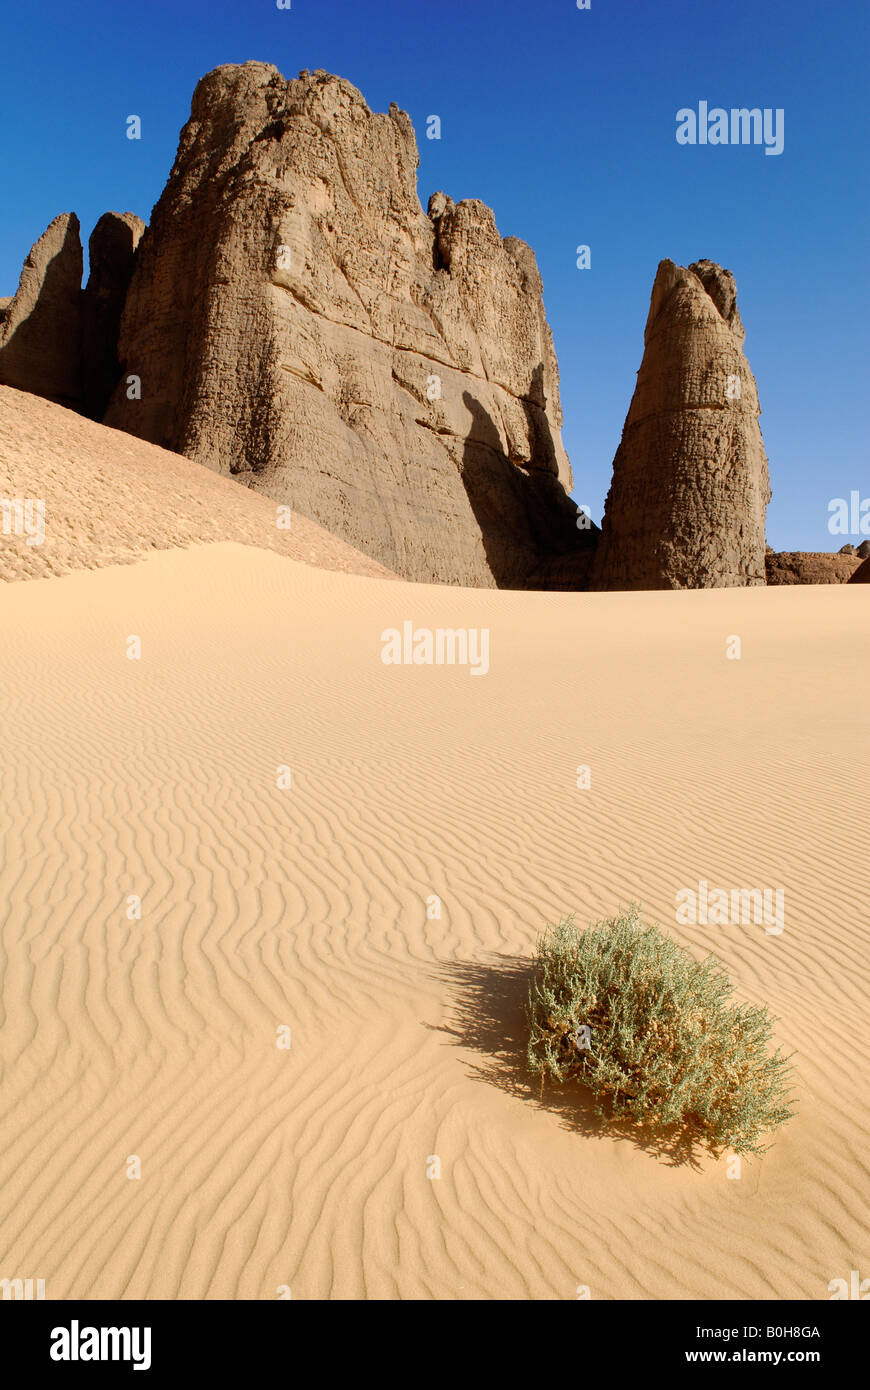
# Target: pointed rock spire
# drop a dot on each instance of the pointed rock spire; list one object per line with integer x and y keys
{"x": 687, "y": 504}
{"x": 40, "y": 330}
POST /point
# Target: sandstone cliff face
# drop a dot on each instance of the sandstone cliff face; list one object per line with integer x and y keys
{"x": 111, "y": 252}
{"x": 40, "y": 329}
{"x": 297, "y": 320}
{"x": 687, "y": 505}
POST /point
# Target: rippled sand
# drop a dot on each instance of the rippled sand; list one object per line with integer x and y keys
{"x": 305, "y": 907}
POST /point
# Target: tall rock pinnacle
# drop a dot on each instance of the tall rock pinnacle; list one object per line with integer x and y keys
{"x": 297, "y": 320}
{"x": 687, "y": 505}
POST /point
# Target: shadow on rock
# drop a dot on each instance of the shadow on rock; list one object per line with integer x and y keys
{"x": 526, "y": 518}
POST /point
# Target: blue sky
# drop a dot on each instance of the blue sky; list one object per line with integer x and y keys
{"x": 564, "y": 122}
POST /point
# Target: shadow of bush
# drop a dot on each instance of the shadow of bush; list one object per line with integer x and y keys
{"x": 488, "y": 1017}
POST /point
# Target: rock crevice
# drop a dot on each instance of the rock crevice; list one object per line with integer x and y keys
{"x": 56, "y": 339}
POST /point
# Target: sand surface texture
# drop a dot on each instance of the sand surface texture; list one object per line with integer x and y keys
{"x": 305, "y": 907}
{"x": 111, "y": 499}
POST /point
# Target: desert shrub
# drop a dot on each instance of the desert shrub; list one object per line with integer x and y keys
{"x": 666, "y": 1044}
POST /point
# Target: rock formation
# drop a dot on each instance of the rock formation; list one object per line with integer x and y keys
{"x": 295, "y": 319}
{"x": 112, "y": 248}
{"x": 862, "y": 573}
{"x": 292, "y": 318}
{"x": 56, "y": 340}
{"x": 40, "y": 330}
{"x": 810, "y": 567}
{"x": 686, "y": 508}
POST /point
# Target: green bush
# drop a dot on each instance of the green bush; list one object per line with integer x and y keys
{"x": 665, "y": 1045}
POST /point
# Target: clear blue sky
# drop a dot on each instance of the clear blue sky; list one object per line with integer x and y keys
{"x": 564, "y": 122}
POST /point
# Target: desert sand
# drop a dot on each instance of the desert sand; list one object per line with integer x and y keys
{"x": 308, "y": 1168}
{"x": 110, "y": 499}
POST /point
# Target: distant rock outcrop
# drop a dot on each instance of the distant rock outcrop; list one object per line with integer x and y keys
{"x": 810, "y": 567}
{"x": 112, "y": 249}
{"x": 297, "y": 320}
{"x": 40, "y": 329}
{"x": 686, "y": 508}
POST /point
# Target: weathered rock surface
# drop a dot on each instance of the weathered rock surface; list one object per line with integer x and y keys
{"x": 862, "y": 573}
{"x": 297, "y": 320}
{"x": 687, "y": 505}
{"x": 863, "y": 550}
{"x": 40, "y": 330}
{"x": 810, "y": 567}
{"x": 112, "y": 249}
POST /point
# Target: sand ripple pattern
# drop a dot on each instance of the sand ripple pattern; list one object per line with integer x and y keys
{"x": 307, "y": 907}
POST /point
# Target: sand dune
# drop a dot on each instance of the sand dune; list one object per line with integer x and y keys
{"x": 306, "y": 907}
{"x": 110, "y": 499}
